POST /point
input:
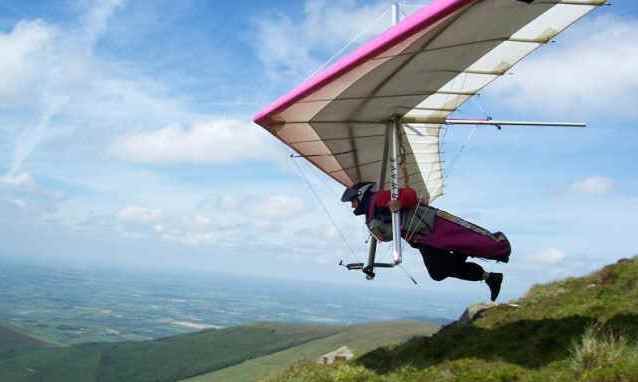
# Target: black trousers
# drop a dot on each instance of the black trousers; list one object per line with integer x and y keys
{"x": 442, "y": 264}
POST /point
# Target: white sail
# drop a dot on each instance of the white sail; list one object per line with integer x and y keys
{"x": 427, "y": 67}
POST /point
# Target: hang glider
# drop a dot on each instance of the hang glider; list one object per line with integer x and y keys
{"x": 396, "y": 92}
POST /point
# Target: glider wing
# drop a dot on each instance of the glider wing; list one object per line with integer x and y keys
{"x": 427, "y": 66}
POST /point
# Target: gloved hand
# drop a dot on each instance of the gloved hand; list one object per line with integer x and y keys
{"x": 394, "y": 205}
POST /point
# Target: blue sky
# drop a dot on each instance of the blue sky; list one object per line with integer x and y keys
{"x": 126, "y": 141}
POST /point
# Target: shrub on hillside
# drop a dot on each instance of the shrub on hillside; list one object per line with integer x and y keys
{"x": 604, "y": 356}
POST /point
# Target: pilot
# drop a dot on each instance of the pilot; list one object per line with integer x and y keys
{"x": 444, "y": 240}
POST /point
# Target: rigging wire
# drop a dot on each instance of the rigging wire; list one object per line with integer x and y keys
{"x": 460, "y": 152}
{"x": 323, "y": 206}
{"x": 365, "y": 232}
{"x": 316, "y": 195}
{"x": 488, "y": 116}
{"x": 400, "y": 266}
{"x": 299, "y": 169}
{"x": 354, "y": 39}
{"x": 477, "y": 101}
{"x": 414, "y": 4}
{"x": 409, "y": 275}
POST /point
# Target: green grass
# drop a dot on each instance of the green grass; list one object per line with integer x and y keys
{"x": 359, "y": 338}
{"x": 579, "y": 329}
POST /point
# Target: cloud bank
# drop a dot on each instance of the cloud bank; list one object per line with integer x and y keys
{"x": 292, "y": 48}
{"x": 597, "y": 185}
{"x": 590, "y": 72}
{"x": 222, "y": 141}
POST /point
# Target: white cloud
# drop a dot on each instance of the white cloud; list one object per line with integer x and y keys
{"x": 202, "y": 231}
{"x": 318, "y": 233}
{"x": 549, "y": 256}
{"x": 135, "y": 214}
{"x": 22, "y": 180}
{"x": 53, "y": 82}
{"x": 96, "y": 18}
{"x": 293, "y": 48}
{"x": 41, "y": 59}
{"x": 191, "y": 239}
{"x": 21, "y": 50}
{"x": 593, "y": 185}
{"x": 214, "y": 141}
{"x": 23, "y": 191}
{"x": 221, "y": 223}
{"x": 200, "y": 220}
{"x": 19, "y": 202}
{"x": 590, "y": 72}
{"x": 225, "y": 220}
{"x": 256, "y": 209}
{"x": 279, "y": 207}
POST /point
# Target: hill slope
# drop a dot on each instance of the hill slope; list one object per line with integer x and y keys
{"x": 359, "y": 338}
{"x": 577, "y": 329}
{"x": 243, "y": 353}
{"x": 14, "y": 342}
{"x": 167, "y": 359}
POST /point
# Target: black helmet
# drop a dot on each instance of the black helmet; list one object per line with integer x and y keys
{"x": 357, "y": 191}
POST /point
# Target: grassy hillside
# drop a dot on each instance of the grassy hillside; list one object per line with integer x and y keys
{"x": 359, "y": 338}
{"x": 579, "y": 329}
{"x": 167, "y": 359}
{"x": 13, "y": 341}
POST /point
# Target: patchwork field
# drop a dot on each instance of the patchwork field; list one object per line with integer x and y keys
{"x": 247, "y": 351}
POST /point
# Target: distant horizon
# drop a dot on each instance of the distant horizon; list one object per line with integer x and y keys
{"x": 76, "y": 305}
{"x": 358, "y": 279}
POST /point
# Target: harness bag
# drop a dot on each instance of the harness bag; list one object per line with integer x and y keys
{"x": 420, "y": 219}
{"x": 426, "y": 226}
{"x": 451, "y": 233}
{"x": 413, "y": 220}
{"x": 462, "y": 222}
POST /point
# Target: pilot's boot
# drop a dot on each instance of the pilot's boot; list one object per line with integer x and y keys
{"x": 494, "y": 281}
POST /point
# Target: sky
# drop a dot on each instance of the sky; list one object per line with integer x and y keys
{"x": 126, "y": 141}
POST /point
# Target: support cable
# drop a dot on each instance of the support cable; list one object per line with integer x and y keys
{"x": 460, "y": 152}
{"x": 331, "y": 185}
{"x": 323, "y": 206}
{"x": 408, "y": 275}
{"x": 405, "y": 271}
{"x": 469, "y": 138}
{"x": 354, "y": 39}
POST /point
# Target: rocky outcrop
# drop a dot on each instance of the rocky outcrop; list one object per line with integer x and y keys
{"x": 339, "y": 355}
{"x": 474, "y": 312}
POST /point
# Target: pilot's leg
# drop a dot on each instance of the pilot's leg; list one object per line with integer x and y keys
{"x": 442, "y": 264}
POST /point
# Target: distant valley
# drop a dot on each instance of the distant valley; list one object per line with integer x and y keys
{"x": 75, "y": 324}
{"x": 238, "y": 354}
{"x": 75, "y": 305}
